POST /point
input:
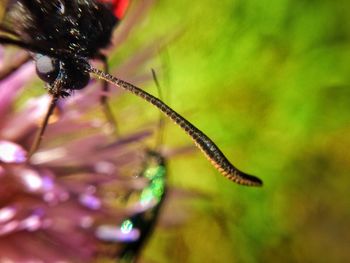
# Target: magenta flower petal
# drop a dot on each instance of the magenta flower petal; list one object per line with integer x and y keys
{"x": 10, "y": 86}
{"x": 83, "y": 187}
{"x": 26, "y": 121}
{"x": 11, "y": 152}
{"x": 112, "y": 233}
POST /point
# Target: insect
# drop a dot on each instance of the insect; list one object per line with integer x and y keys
{"x": 133, "y": 233}
{"x": 63, "y": 36}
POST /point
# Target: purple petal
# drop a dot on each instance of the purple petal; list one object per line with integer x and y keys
{"x": 90, "y": 201}
{"x": 116, "y": 234}
{"x": 23, "y": 123}
{"x": 12, "y": 153}
{"x": 10, "y": 86}
{"x": 7, "y": 213}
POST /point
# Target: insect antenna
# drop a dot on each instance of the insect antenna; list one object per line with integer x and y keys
{"x": 203, "y": 142}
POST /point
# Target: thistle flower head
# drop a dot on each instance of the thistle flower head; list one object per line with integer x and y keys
{"x": 70, "y": 197}
{"x": 77, "y": 197}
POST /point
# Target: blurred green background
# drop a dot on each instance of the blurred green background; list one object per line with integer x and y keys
{"x": 269, "y": 82}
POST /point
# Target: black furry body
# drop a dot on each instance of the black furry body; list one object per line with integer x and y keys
{"x": 68, "y": 32}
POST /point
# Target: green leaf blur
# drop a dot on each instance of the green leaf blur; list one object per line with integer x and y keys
{"x": 268, "y": 81}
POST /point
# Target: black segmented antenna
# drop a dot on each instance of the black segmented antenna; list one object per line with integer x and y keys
{"x": 203, "y": 142}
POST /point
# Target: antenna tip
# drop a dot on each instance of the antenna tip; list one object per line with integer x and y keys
{"x": 250, "y": 180}
{"x": 244, "y": 179}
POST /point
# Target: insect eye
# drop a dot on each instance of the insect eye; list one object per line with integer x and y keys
{"x": 47, "y": 68}
{"x": 61, "y": 8}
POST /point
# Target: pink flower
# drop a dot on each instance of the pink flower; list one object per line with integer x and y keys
{"x": 78, "y": 192}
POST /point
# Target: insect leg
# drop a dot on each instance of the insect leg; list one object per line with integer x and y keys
{"x": 104, "y": 99}
{"x": 55, "y": 95}
{"x": 161, "y": 121}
